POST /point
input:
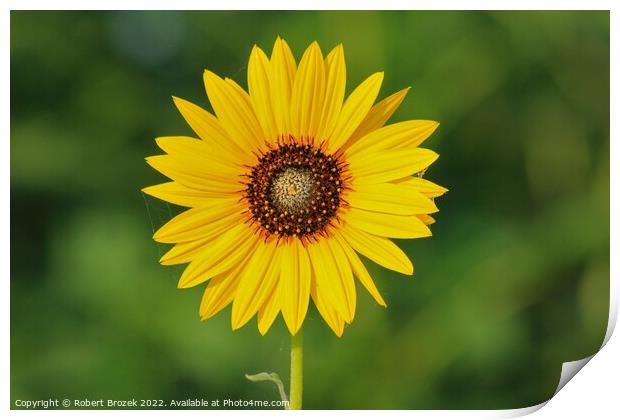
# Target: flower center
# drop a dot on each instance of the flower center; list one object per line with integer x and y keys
{"x": 294, "y": 190}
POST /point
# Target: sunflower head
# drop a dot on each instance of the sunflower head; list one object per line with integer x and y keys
{"x": 287, "y": 184}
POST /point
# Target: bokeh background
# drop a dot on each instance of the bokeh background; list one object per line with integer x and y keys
{"x": 514, "y": 281}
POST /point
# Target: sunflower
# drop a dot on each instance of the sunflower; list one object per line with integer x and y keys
{"x": 288, "y": 184}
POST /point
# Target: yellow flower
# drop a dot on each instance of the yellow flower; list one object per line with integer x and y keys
{"x": 288, "y": 184}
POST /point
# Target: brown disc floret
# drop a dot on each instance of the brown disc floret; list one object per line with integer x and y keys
{"x": 295, "y": 189}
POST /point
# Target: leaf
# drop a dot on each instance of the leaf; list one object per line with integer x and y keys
{"x": 271, "y": 377}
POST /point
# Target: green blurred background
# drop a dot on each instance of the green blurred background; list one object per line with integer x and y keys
{"x": 514, "y": 281}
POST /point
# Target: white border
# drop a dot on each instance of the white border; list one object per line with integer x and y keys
{"x": 594, "y": 393}
{"x": 314, "y": 5}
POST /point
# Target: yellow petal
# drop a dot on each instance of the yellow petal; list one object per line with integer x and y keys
{"x": 327, "y": 277}
{"x": 390, "y": 198}
{"x": 256, "y": 282}
{"x": 426, "y": 219}
{"x": 209, "y": 129}
{"x": 354, "y": 111}
{"x": 336, "y": 78}
{"x": 218, "y": 294}
{"x": 189, "y": 173}
{"x": 373, "y": 167}
{"x": 327, "y": 311}
{"x": 220, "y": 255}
{"x": 295, "y": 278}
{"x": 281, "y": 77}
{"x": 360, "y": 270}
{"x": 404, "y": 135}
{"x": 269, "y": 311}
{"x": 381, "y": 250}
{"x": 425, "y": 186}
{"x": 220, "y": 291}
{"x": 200, "y": 222}
{"x": 234, "y": 111}
{"x": 345, "y": 276}
{"x": 308, "y": 93}
{"x": 175, "y": 193}
{"x": 183, "y": 145}
{"x": 247, "y": 101}
{"x": 200, "y": 154}
{"x": 378, "y": 115}
{"x": 387, "y": 225}
{"x": 184, "y": 252}
{"x": 258, "y": 86}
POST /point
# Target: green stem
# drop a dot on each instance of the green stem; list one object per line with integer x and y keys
{"x": 297, "y": 366}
